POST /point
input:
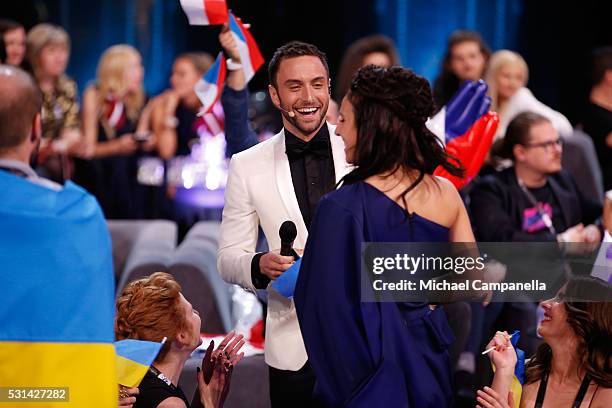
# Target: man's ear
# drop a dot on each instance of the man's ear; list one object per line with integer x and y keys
{"x": 518, "y": 151}
{"x": 274, "y": 95}
{"x": 36, "y": 133}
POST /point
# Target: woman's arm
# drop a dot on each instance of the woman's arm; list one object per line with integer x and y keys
{"x": 504, "y": 360}
{"x": 461, "y": 228}
{"x": 92, "y": 148}
{"x": 164, "y": 124}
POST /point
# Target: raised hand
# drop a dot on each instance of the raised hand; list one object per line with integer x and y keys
{"x": 217, "y": 367}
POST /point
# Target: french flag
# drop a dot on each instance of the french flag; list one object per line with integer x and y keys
{"x": 209, "y": 87}
{"x": 250, "y": 56}
{"x": 205, "y": 12}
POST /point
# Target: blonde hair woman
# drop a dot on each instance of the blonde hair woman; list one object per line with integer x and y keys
{"x": 507, "y": 77}
{"x": 112, "y": 109}
{"x": 48, "y": 51}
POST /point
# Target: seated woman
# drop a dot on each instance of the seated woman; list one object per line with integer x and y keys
{"x": 112, "y": 109}
{"x": 390, "y": 196}
{"x": 153, "y": 308}
{"x": 466, "y": 59}
{"x": 506, "y": 77}
{"x": 48, "y": 51}
{"x": 573, "y": 367}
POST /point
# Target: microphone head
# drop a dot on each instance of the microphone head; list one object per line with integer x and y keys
{"x": 290, "y": 114}
{"x": 287, "y": 231}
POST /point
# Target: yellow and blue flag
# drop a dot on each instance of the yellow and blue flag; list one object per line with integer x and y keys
{"x": 519, "y": 370}
{"x": 134, "y": 357}
{"x": 57, "y": 308}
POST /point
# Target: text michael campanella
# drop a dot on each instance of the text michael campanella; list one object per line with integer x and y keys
{"x": 450, "y": 267}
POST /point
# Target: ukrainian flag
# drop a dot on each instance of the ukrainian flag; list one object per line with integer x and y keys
{"x": 134, "y": 357}
{"x": 57, "y": 307}
{"x": 519, "y": 371}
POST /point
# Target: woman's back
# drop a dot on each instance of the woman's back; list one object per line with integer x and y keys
{"x": 434, "y": 208}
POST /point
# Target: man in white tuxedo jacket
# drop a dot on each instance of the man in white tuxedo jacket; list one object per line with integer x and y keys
{"x": 278, "y": 180}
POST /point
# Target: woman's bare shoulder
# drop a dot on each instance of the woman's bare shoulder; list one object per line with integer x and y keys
{"x": 602, "y": 398}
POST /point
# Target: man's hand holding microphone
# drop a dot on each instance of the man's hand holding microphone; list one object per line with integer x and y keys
{"x": 274, "y": 263}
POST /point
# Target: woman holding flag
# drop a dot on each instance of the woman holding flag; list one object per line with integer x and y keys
{"x": 573, "y": 367}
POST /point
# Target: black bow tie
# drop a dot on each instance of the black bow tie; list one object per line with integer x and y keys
{"x": 317, "y": 147}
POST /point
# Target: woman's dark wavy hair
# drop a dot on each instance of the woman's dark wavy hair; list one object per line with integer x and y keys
{"x": 391, "y": 106}
{"x": 447, "y": 82}
{"x": 588, "y": 304}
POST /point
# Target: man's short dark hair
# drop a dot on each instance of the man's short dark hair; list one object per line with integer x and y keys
{"x": 602, "y": 62}
{"x": 290, "y": 50}
{"x": 20, "y": 102}
{"x": 518, "y": 130}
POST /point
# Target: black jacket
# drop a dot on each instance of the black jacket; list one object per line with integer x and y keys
{"x": 497, "y": 204}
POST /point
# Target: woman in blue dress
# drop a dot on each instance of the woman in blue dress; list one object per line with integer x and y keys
{"x": 367, "y": 354}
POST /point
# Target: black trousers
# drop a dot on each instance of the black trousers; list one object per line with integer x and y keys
{"x": 292, "y": 389}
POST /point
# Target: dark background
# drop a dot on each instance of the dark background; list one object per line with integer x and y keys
{"x": 555, "y": 37}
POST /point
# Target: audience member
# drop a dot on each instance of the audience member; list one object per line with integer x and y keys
{"x": 533, "y": 200}
{"x": 597, "y": 119}
{"x": 235, "y": 99}
{"x": 572, "y": 366}
{"x": 48, "y": 50}
{"x": 503, "y": 205}
{"x": 507, "y": 77}
{"x": 112, "y": 108}
{"x": 14, "y": 36}
{"x": 57, "y": 263}
{"x": 466, "y": 59}
{"x": 373, "y": 49}
{"x": 174, "y": 113}
{"x": 152, "y": 308}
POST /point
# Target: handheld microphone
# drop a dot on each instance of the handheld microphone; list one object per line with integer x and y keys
{"x": 290, "y": 113}
{"x": 287, "y": 233}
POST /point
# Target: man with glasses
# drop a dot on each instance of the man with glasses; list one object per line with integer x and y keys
{"x": 533, "y": 200}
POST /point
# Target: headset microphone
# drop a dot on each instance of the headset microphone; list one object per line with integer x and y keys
{"x": 290, "y": 113}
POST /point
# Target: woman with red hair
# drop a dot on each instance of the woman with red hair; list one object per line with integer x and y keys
{"x": 153, "y": 308}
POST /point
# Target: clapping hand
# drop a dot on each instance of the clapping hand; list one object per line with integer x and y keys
{"x": 217, "y": 367}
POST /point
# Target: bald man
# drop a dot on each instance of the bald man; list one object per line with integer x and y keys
{"x": 20, "y": 130}
{"x": 57, "y": 268}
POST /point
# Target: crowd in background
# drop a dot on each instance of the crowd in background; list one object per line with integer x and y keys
{"x": 98, "y": 139}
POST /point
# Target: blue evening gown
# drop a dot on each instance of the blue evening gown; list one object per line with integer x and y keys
{"x": 368, "y": 354}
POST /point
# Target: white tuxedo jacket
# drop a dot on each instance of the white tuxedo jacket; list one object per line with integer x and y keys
{"x": 259, "y": 191}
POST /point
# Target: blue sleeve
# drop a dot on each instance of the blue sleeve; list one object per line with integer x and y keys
{"x": 238, "y": 135}
{"x": 327, "y": 298}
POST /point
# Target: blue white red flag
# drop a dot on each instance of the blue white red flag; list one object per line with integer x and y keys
{"x": 250, "y": 56}
{"x": 209, "y": 87}
{"x": 205, "y": 12}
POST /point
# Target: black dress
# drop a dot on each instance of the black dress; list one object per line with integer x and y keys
{"x": 112, "y": 179}
{"x": 154, "y": 390}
